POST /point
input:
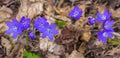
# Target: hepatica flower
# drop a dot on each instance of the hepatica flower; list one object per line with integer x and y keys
{"x": 104, "y": 34}
{"x": 103, "y": 17}
{"x": 31, "y": 35}
{"x": 50, "y": 31}
{"x": 14, "y": 28}
{"x": 25, "y": 23}
{"x": 40, "y": 24}
{"x": 108, "y": 25}
{"x": 75, "y": 13}
{"x": 91, "y": 20}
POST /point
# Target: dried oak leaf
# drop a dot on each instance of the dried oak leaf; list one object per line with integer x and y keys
{"x": 45, "y": 44}
{"x": 49, "y": 55}
{"x": 63, "y": 11}
{"x": 5, "y": 13}
{"x": 63, "y": 18}
{"x": 75, "y": 54}
{"x": 49, "y": 7}
{"x": 3, "y": 27}
{"x": 115, "y": 13}
{"x": 82, "y": 48}
{"x": 114, "y": 51}
{"x": 69, "y": 35}
{"x": 86, "y": 36}
{"x": 6, "y": 43}
{"x": 20, "y": 53}
{"x": 29, "y": 9}
{"x": 59, "y": 50}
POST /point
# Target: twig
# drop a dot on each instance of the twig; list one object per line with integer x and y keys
{"x": 73, "y": 1}
{"x": 11, "y": 3}
{"x": 117, "y": 34}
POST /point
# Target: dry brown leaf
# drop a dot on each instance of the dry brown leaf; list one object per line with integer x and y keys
{"x": 6, "y": 43}
{"x": 98, "y": 43}
{"x": 3, "y": 27}
{"x": 5, "y": 13}
{"x": 63, "y": 11}
{"x": 75, "y": 54}
{"x": 63, "y": 18}
{"x": 82, "y": 48}
{"x": 86, "y": 36}
{"x": 113, "y": 51}
{"x": 59, "y": 50}
{"x": 49, "y": 55}
{"x": 35, "y": 9}
{"x": 83, "y": 7}
{"x": 115, "y": 13}
{"x": 45, "y": 44}
{"x": 50, "y": 19}
{"x": 29, "y": 9}
{"x": 20, "y": 53}
{"x": 80, "y": 23}
{"x": 22, "y": 9}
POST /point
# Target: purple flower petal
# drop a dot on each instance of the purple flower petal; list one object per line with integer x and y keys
{"x": 75, "y": 13}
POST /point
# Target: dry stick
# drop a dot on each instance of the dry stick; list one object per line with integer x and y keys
{"x": 117, "y": 34}
{"x": 73, "y": 1}
{"x": 11, "y": 3}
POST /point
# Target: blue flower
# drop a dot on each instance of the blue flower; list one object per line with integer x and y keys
{"x": 75, "y": 13}
{"x": 91, "y": 20}
{"x": 25, "y": 23}
{"x": 14, "y": 27}
{"x": 40, "y": 24}
{"x": 108, "y": 25}
{"x": 103, "y": 17}
{"x": 31, "y": 35}
{"x": 50, "y": 31}
{"x": 104, "y": 34}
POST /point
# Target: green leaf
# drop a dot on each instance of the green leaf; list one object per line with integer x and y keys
{"x": 114, "y": 41}
{"x": 60, "y": 23}
{"x": 28, "y": 54}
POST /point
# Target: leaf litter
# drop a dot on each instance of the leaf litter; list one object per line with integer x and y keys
{"x": 76, "y": 39}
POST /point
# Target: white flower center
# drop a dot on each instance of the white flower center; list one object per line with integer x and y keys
{"x": 104, "y": 17}
{"x": 76, "y": 13}
{"x": 14, "y": 28}
{"x": 105, "y": 34}
{"x": 48, "y": 30}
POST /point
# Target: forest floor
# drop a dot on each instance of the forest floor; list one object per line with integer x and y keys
{"x": 76, "y": 38}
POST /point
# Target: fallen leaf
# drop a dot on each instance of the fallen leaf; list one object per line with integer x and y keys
{"x": 5, "y": 13}
{"x": 59, "y": 50}
{"x": 29, "y": 10}
{"x": 115, "y": 13}
{"x": 82, "y": 48}
{"x": 113, "y": 51}
{"x": 49, "y": 55}
{"x": 86, "y": 36}
{"x": 76, "y": 54}
{"x": 6, "y": 43}
{"x": 3, "y": 27}
{"x": 45, "y": 44}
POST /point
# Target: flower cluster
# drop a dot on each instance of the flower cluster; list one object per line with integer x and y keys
{"x": 107, "y": 23}
{"x": 43, "y": 26}
{"x": 104, "y": 18}
{"x": 16, "y": 27}
{"x": 40, "y": 24}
